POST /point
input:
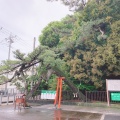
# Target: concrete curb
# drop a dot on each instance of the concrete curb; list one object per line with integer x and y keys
{"x": 103, "y": 116}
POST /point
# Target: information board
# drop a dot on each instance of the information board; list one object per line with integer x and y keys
{"x": 113, "y": 84}
{"x": 113, "y": 90}
{"x": 115, "y": 96}
{"x": 48, "y": 94}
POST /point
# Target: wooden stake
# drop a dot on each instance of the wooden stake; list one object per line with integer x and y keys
{"x": 59, "y": 92}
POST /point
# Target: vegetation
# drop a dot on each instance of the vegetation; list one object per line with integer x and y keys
{"x": 83, "y": 47}
{"x": 91, "y": 53}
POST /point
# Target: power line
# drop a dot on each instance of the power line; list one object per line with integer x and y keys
{"x": 6, "y": 32}
{"x": 19, "y": 39}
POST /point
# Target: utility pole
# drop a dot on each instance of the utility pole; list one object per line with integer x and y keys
{"x": 33, "y": 65}
{"x": 10, "y": 41}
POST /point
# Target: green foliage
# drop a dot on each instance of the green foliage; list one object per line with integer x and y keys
{"x": 2, "y": 79}
{"x": 48, "y": 57}
{"x": 105, "y": 9}
{"x": 57, "y": 32}
{"x": 52, "y": 83}
{"x": 94, "y": 57}
{"x": 19, "y": 55}
{"x": 49, "y": 36}
{"x": 44, "y": 85}
{"x": 8, "y": 65}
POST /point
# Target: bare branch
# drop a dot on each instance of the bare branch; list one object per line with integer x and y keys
{"x": 12, "y": 69}
{"x": 10, "y": 80}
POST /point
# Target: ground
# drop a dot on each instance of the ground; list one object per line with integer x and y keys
{"x": 67, "y": 112}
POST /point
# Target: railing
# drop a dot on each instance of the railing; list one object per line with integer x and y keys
{"x": 8, "y": 96}
{"x": 7, "y": 99}
{"x": 10, "y": 91}
{"x": 93, "y": 96}
{"x": 66, "y": 95}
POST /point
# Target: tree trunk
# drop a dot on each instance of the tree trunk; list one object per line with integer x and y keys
{"x": 33, "y": 89}
{"x": 26, "y": 85}
{"x": 75, "y": 90}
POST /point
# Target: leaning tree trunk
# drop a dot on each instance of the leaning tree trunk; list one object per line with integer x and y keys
{"x": 74, "y": 89}
{"x": 34, "y": 89}
{"x": 26, "y": 85}
{"x": 56, "y": 71}
{"x": 44, "y": 76}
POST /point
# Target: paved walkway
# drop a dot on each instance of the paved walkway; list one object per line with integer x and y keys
{"x": 107, "y": 113}
{"x": 67, "y": 112}
{"x": 82, "y": 108}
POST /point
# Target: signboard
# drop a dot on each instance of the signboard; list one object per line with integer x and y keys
{"x": 48, "y": 94}
{"x": 113, "y": 85}
{"x": 115, "y": 96}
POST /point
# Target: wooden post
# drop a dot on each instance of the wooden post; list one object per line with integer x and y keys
{"x": 86, "y": 95}
{"x": 0, "y": 98}
{"x": 13, "y": 98}
{"x": 59, "y": 91}
{"x": 108, "y": 100}
{"x": 7, "y": 99}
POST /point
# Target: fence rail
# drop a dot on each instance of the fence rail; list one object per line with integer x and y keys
{"x": 8, "y": 96}
{"x": 10, "y": 91}
{"x": 7, "y": 99}
{"x": 91, "y": 96}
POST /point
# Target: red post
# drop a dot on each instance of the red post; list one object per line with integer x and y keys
{"x": 57, "y": 114}
{"x": 59, "y": 91}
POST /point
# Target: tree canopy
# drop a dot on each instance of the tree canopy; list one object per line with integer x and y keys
{"x": 90, "y": 51}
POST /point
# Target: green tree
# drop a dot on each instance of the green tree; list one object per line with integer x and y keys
{"x": 49, "y": 37}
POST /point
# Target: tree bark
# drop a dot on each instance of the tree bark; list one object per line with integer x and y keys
{"x": 75, "y": 90}
{"x": 33, "y": 89}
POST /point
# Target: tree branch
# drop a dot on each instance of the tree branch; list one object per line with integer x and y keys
{"x": 10, "y": 80}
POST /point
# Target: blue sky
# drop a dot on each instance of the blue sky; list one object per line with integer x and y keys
{"x": 26, "y": 19}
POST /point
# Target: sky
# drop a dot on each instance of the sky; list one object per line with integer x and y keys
{"x": 22, "y": 20}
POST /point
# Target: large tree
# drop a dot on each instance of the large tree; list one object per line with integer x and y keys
{"x": 49, "y": 63}
{"x": 89, "y": 51}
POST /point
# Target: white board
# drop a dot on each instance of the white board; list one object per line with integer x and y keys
{"x": 113, "y": 84}
{"x": 48, "y": 94}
